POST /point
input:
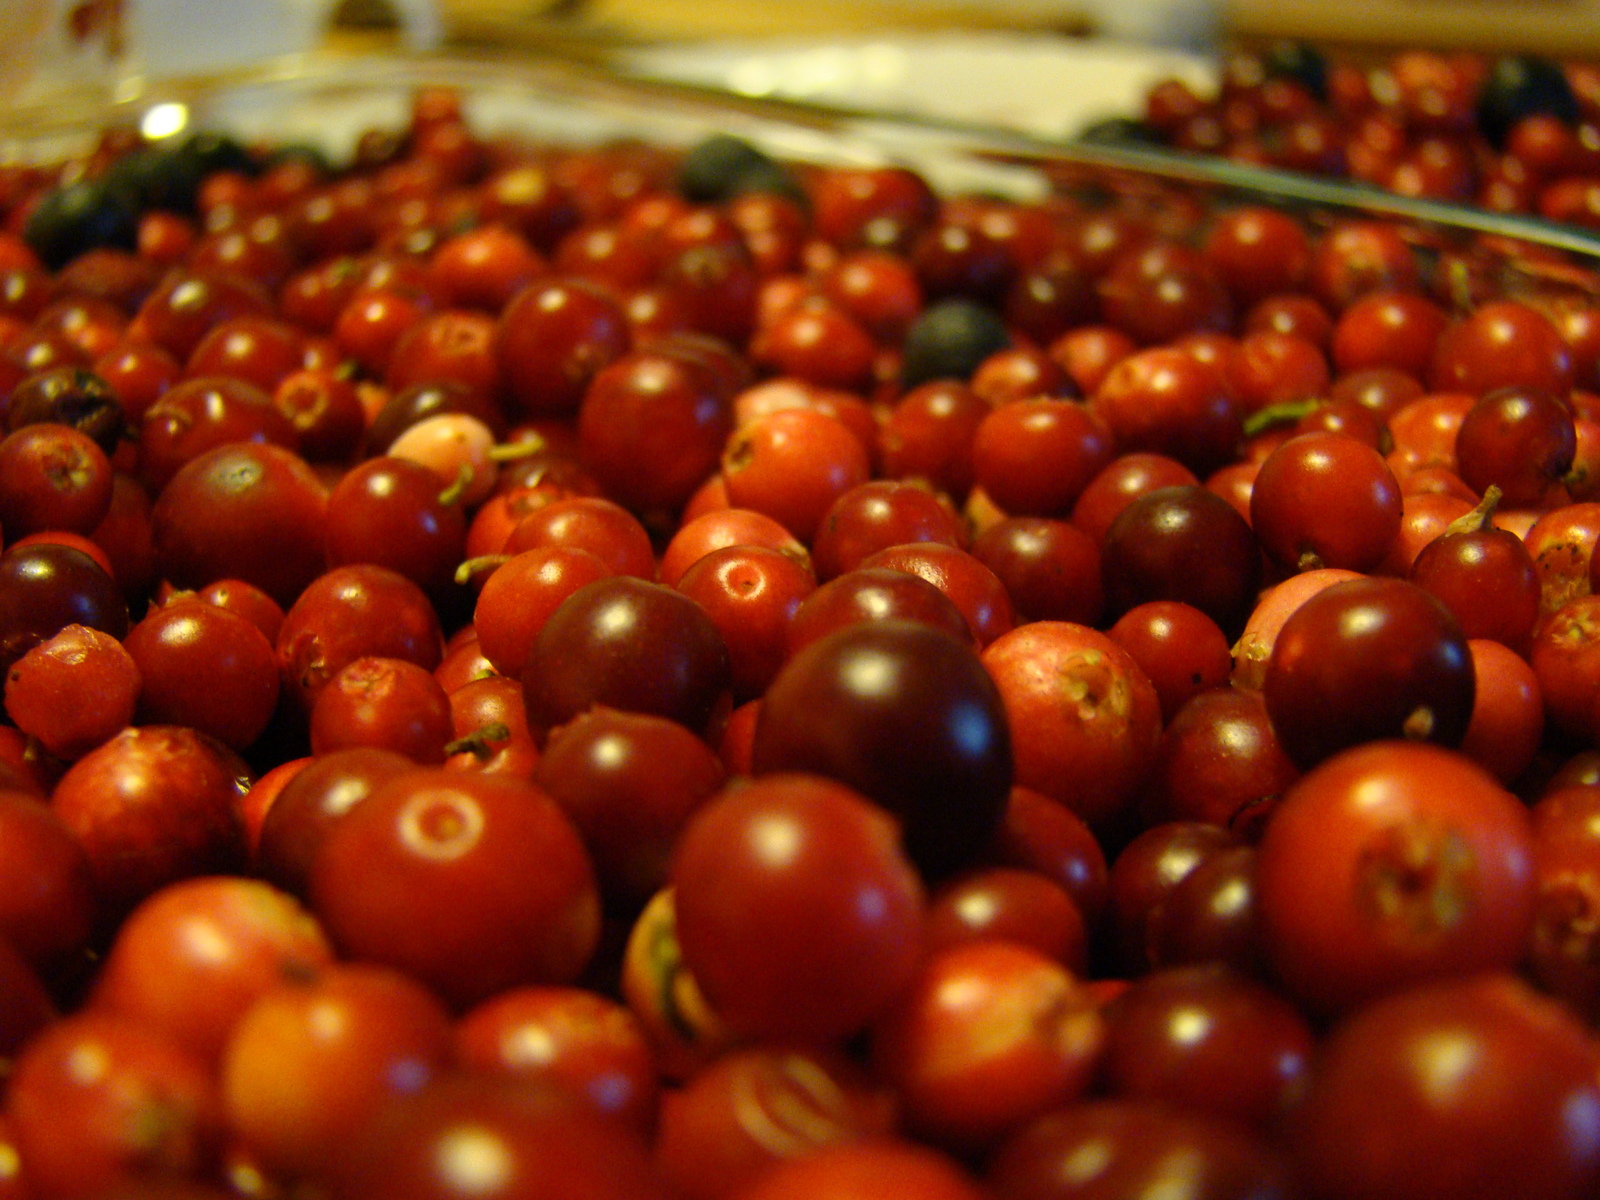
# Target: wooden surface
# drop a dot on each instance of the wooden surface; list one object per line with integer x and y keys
{"x": 680, "y": 20}
{"x": 1560, "y": 28}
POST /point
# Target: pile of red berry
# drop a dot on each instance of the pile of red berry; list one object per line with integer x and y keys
{"x": 615, "y": 672}
{"x": 1518, "y": 134}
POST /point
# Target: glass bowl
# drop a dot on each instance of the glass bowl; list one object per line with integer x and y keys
{"x": 329, "y": 100}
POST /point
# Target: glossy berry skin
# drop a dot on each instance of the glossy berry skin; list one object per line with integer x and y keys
{"x": 629, "y": 644}
{"x": 469, "y": 883}
{"x": 1364, "y": 659}
{"x": 1160, "y": 291}
{"x": 1503, "y": 343}
{"x": 47, "y": 586}
{"x": 412, "y": 405}
{"x": 882, "y": 207}
{"x": 820, "y": 344}
{"x": 1324, "y": 500}
{"x": 1124, "y": 479}
{"x": 520, "y": 594}
{"x": 1182, "y": 543}
{"x": 797, "y": 912}
{"x": 207, "y": 668}
{"x": 957, "y": 786}
{"x": 905, "y": 714}
{"x": 721, "y": 529}
{"x": 551, "y": 341}
{"x": 649, "y": 407}
{"x": 1164, "y": 401}
{"x": 1567, "y": 857}
{"x": 348, "y": 613}
{"x": 52, "y": 477}
{"x": 385, "y": 703}
{"x": 310, "y": 803}
{"x": 758, "y": 1107}
{"x": 1515, "y": 1120}
{"x": 1268, "y": 368}
{"x": 1395, "y": 329}
{"x": 1034, "y": 457}
{"x": 869, "y": 1169}
{"x": 315, "y": 1059}
{"x": 1486, "y": 578}
{"x": 972, "y": 586}
{"x": 998, "y": 903}
{"x": 878, "y": 514}
{"x": 200, "y": 414}
{"x": 256, "y": 350}
{"x": 1254, "y": 647}
{"x": 1520, "y": 440}
{"x": 1050, "y": 568}
{"x": 988, "y": 1036}
{"x": 878, "y": 288}
{"x": 1293, "y": 313}
{"x": 154, "y": 804}
{"x": 1211, "y": 916}
{"x": 1138, "y": 1147}
{"x": 752, "y": 594}
{"x": 535, "y": 1137}
{"x": 325, "y": 410}
{"x": 73, "y": 691}
{"x": 489, "y": 724}
{"x": 572, "y": 1036}
{"x": 1209, "y": 1040}
{"x": 961, "y": 254}
{"x": 872, "y": 594}
{"x": 1088, "y": 353}
{"x": 1073, "y": 698}
{"x": 592, "y": 523}
{"x": 629, "y": 782}
{"x": 1182, "y": 651}
{"x": 1039, "y": 835}
{"x": 1392, "y": 863}
{"x": 1220, "y": 761}
{"x": 1257, "y": 251}
{"x": 1508, "y": 713}
{"x": 47, "y": 909}
{"x": 1358, "y": 256}
{"x": 1144, "y": 875}
{"x": 792, "y": 464}
{"x": 151, "y": 1110}
{"x": 373, "y": 323}
{"x": 394, "y": 512}
{"x": 247, "y": 601}
{"x": 191, "y": 958}
{"x": 1424, "y": 430}
{"x": 243, "y": 510}
{"x": 450, "y": 345}
{"x": 928, "y": 434}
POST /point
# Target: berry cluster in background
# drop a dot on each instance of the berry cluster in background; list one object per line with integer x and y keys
{"x": 1516, "y": 134}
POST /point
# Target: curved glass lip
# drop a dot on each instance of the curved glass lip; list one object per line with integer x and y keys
{"x": 1267, "y": 183}
{"x": 559, "y": 88}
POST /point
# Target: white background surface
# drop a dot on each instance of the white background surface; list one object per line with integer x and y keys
{"x": 1045, "y": 85}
